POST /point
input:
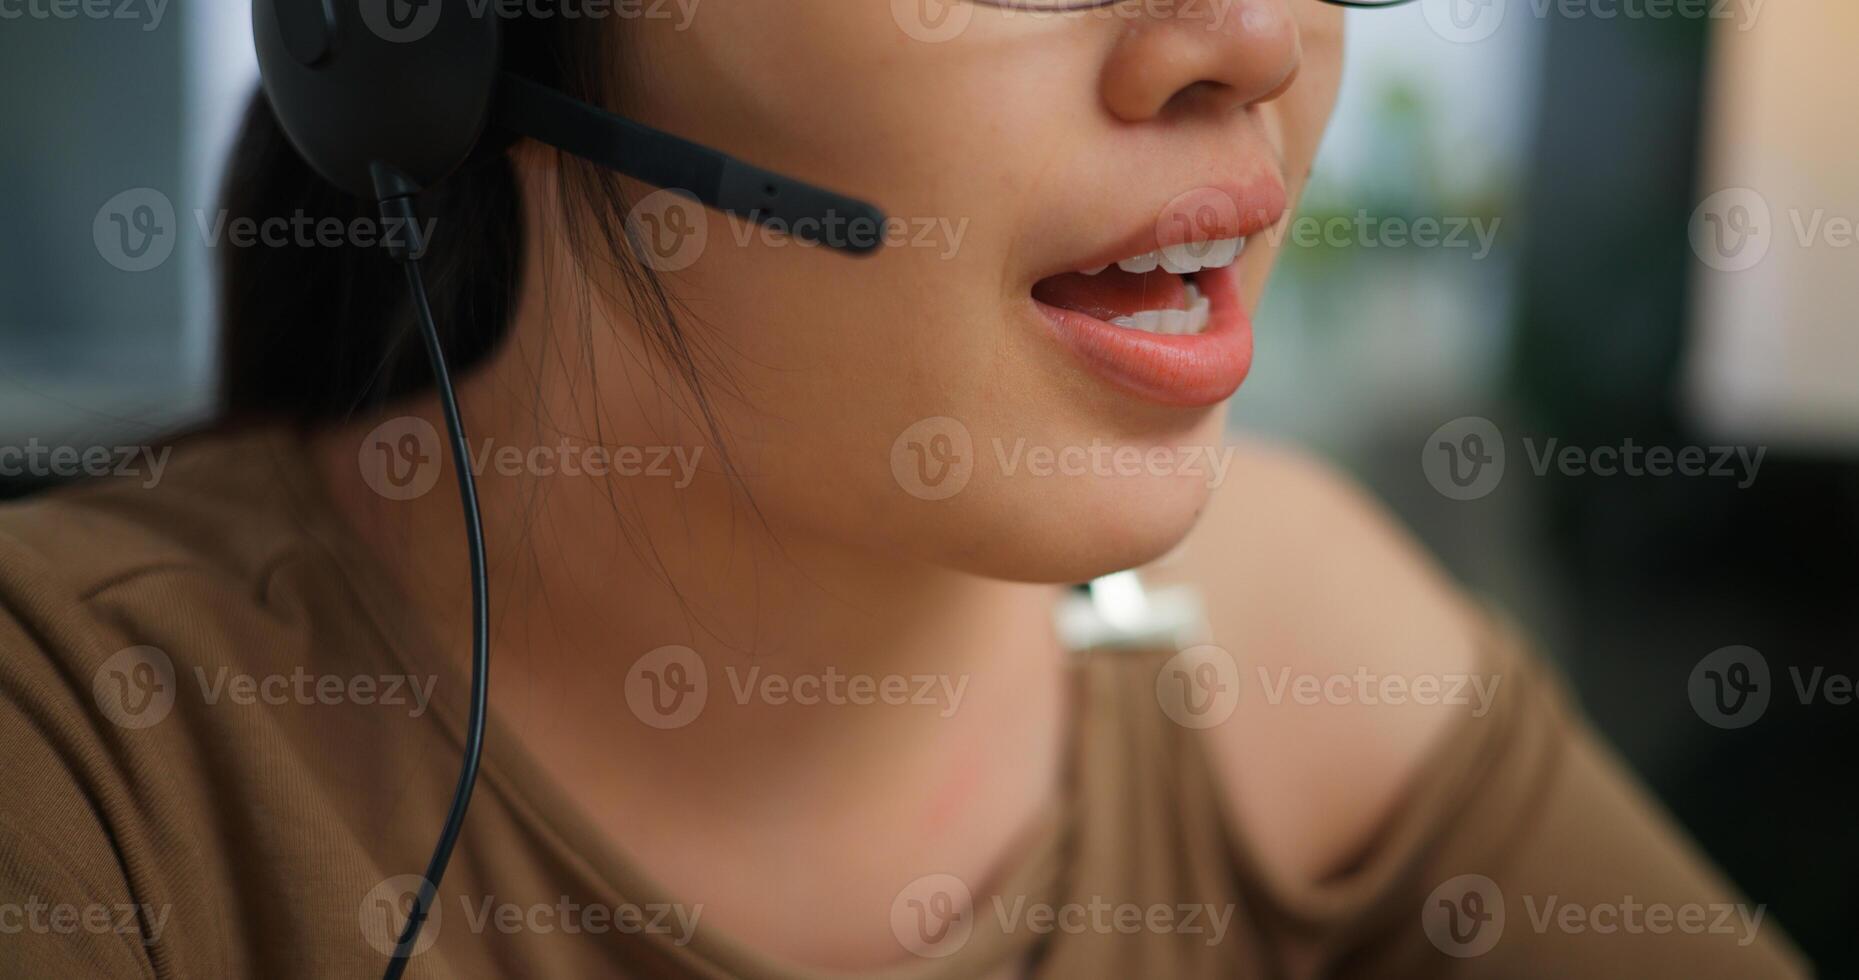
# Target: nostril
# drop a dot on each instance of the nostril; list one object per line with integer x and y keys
{"x": 1197, "y": 94}
{"x": 1175, "y": 64}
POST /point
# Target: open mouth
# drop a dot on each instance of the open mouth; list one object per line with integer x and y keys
{"x": 1161, "y": 314}
{"x": 1168, "y": 326}
{"x": 1159, "y": 292}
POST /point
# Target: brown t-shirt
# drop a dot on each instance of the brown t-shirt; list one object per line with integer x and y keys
{"x": 224, "y": 752}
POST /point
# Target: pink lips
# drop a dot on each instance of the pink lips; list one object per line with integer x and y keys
{"x": 1184, "y": 371}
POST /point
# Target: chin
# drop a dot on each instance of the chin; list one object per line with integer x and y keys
{"x": 1073, "y": 530}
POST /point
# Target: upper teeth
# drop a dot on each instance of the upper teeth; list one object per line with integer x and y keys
{"x": 1182, "y": 259}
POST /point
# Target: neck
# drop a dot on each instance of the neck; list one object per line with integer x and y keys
{"x": 801, "y": 640}
{"x": 848, "y": 696}
{"x": 855, "y": 701}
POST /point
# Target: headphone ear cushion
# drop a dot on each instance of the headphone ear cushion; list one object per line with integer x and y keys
{"x": 406, "y": 84}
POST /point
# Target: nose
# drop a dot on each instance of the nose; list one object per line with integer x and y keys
{"x": 1210, "y": 54}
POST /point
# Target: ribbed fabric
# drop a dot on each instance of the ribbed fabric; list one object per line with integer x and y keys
{"x": 251, "y": 840}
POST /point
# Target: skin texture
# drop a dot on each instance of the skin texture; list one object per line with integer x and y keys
{"x": 1053, "y": 138}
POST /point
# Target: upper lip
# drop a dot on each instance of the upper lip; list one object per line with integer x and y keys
{"x": 1207, "y": 213}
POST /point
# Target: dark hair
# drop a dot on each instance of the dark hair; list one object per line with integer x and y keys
{"x": 311, "y": 333}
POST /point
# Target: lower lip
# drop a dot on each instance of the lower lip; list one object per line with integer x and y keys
{"x": 1184, "y": 370}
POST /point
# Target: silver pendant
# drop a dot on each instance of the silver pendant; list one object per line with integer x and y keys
{"x": 1118, "y": 611}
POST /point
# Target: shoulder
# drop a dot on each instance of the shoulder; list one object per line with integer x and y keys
{"x": 207, "y": 500}
{"x": 200, "y": 556}
{"x": 169, "y": 546}
{"x": 1359, "y": 799}
{"x": 174, "y": 542}
{"x": 163, "y": 561}
{"x": 153, "y": 629}
{"x": 1334, "y": 614}
{"x": 155, "y": 556}
{"x": 77, "y": 682}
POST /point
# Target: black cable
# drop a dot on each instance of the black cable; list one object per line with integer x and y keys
{"x": 397, "y": 209}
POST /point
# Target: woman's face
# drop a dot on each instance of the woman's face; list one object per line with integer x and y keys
{"x": 965, "y": 396}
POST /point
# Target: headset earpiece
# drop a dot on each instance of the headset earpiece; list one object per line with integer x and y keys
{"x": 405, "y": 85}
{"x": 385, "y": 98}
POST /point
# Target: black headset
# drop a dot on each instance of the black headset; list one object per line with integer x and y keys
{"x": 385, "y": 98}
{"x": 388, "y": 97}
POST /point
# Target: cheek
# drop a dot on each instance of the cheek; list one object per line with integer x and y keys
{"x": 839, "y": 354}
{"x": 1307, "y": 106}
{"x": 884, "y": 404}
{"x": 825, "y": 88}
{"x": 825, "y": 370}
{"x": 1304, "y": 111}
{"x": 1296, "y": 122}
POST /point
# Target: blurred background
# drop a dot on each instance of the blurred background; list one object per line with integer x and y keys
{"x": 1536, "y": 228}
{"x": 1670, "y": 201}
